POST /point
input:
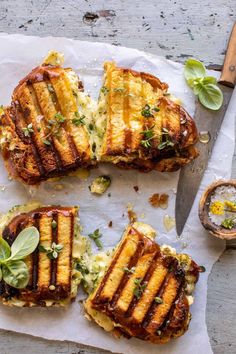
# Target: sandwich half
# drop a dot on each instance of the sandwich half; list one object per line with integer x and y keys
{"x": 139, "y": 125}
{"x": 146, "y": 290}
{"x": 45, "y": 131}
{"x": 53, "y": 277}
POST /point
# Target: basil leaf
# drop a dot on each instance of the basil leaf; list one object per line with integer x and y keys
{"x": 193, "y": 69}
{"x": 210, "y": 96}
{"x": 15, "y": 274}
{"x": 209, "y": 80}
{"x": 0, "y": 274}
{"x": 5, "y": 249}
{"x": 25, "y": 243}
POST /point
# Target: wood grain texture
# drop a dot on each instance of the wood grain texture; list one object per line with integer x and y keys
{"x": 171, "y": 28}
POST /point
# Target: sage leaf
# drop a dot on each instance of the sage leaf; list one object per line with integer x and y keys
{"x": 211, "y": 97}
{"x": 5, "y": 250}
{"x": 193, "y": 69}
{"x": 15, "y": 273}
{"x": 25, "y": 243}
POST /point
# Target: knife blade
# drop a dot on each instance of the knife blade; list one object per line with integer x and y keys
{"x": 209, "y": 122}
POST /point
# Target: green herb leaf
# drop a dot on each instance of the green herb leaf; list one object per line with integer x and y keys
{"x": 59, "y": 117}
{"x": 78, "y": 120}
{"x": 158, "y": 300}
{"x": 46, "y": 142}
{"x": 95, "y": 236}
{"x": 54, "y": 224}
{"x": 0, "y": 274}
{"x": 139, "y": 288}
{"x": 129, "y": 270}
{"x": 104, "y": 90}
{"x": 28, "y": 130}
{"x": 25, "y": 243}
{"x": 5, "y": 250}
{"x": 53, "y": 251}
{"x": 228, "y": 223}
{"x": 15, "y": 273}
{"x": 193, "y": 69}
{"x": 148, "y": 135}
{"x": 211, "y": 96}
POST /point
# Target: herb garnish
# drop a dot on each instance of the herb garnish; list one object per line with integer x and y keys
{"x": 104, "y": 90}
{"x": 228, "y": 223}
{"x": 167, "y": 142}
{"x": 158, "y": 300}
{"x": 46, "y": 142}
{"x": 78, "y": 120}
{"x": 139, "y": 288}
{"x": 13, "y": 270}
{"x": 53, "y": 251}
{"x": 54, "y": 224}
{"x": 59, "y": 117}
{"x": 95, "y": 236}
{"x": 205, "y": 87}
{"x": 119, "y": 89}
{"x": 28, "y": 130}
{"x": 147, "y": 111}
{"x": 129, "y": 270}
{"x": 148, "y": 135}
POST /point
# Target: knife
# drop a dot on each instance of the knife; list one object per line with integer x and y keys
{"x": 209, "y": 122}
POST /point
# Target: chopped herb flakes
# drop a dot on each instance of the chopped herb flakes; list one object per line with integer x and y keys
{"x": 59, "y": 117}
{"x": 129, "y": 270}
{"x": 104, "y": 90}
{"x": 54, "y": 224}
{"x": 53, "y": 251}
{"x": 148, "y": 135}
{"x": 167, "y": 142}
{"x": 119, "y": 89}
{"x": 28, "y": 130}
{"x": 228, "y": 223}
{"x": 78, "y": 120}
{"x": 148, "y": 112}
{"x": 95, "y": 236}
{"x": 139, "y": 288}
{"x": 158, "y": 300}
{"x": 46, "y": 142}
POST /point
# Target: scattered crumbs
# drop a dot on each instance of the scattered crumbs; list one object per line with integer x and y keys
{"x": 123, "y": 215}
{"x": 110, "y": 224}
{"x": 163, "y": 201}
{"x": 184, "y": 245}
{"x": 136, "y": 188}
{"x": 169, "y": 222}
{"x": 159, "y": 200}
{"x": 131, "y": 214}
{"x": 154, "y": 200}
{"x": 2, "y": 188}
{"x": 142, "y": 216}
{"x": 109, "y": 195}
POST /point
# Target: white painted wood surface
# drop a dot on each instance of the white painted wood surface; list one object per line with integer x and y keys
{"x": 171, "y": 28}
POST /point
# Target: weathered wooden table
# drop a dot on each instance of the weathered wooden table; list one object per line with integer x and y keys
{"x": 171, "y": 28}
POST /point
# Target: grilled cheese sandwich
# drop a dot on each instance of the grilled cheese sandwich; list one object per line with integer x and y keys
{"x": 146, "y": 290}
{"x": 53, "y": 280}
{"x": 52, "y": 127}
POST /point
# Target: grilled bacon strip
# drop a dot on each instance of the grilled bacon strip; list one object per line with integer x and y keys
{"x": 52, "y": 147}
{"x": 50, "y": 279}
{"x": 143, "y": 292}
{"x": 135, "y": 103}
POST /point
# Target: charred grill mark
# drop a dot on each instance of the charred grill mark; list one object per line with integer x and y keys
{"x": 35, "y": 258}
{"x": 125, "y": 278}
{"x": 53, "y": 279}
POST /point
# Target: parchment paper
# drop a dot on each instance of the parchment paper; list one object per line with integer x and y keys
{"x": 18, "y": 55}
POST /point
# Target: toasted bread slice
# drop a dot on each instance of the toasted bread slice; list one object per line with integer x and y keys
{"x": 51, "y": 279}
{"x": 44, "y": 132}
{"x": 139, "y": 126}
{"x": 144, "y": 292}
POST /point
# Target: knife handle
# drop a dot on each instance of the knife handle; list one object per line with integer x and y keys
{"x": 228, "y": 74}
